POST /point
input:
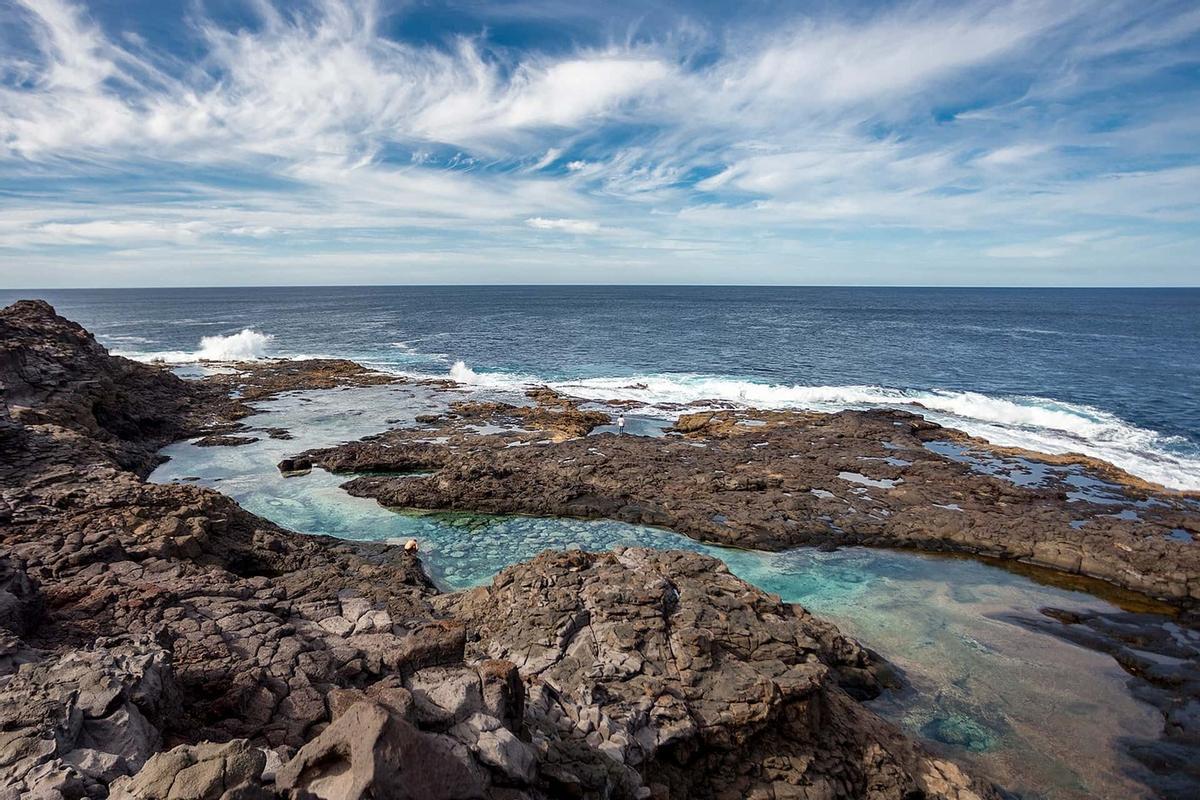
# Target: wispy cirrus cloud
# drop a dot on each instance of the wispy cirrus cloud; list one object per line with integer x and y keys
{"x": 347, "y": 130}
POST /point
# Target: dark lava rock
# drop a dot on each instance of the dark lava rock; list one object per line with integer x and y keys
{"x": 673, "y": 668}
{"x": 772, "y": 480}
{"x": 294, "y": 466}
{"x": 21, "y": 604}
{"x": 62, "y": 386}
{"x": 76, "y": 721}
{"x": 554, "y": 414}
{"x": 254, "y": 662}
{"x": 224, "y": 441}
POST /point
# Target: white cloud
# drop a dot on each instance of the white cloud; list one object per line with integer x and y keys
{"x": 104, "y": 231}
{"x": 580, "y": 226}
{"x": 822, "y": 122}
{"x": 551, "y": 155}
{"x": 1045, "y": 250}
{"x": 1013, "y": 154}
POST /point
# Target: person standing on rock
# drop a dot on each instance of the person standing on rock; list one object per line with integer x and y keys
{"x": 620, "y": 423}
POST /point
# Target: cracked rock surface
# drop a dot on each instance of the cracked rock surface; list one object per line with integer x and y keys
{"x": 772, "y": 480}
{"x": 161, "y": 643}
{"x": 667, "y": 664}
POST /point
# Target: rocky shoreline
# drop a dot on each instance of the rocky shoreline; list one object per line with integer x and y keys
{"x": 161, "y": 642}
{"x": 773, "y": 480}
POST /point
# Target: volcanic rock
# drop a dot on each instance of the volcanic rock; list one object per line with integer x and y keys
{"x": 772, "y": 480}
{"x": 255, "y": 662}
{"x": 673, "y": 668}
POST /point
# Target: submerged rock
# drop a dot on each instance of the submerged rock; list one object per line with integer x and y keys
{"x": 225, "y": 441}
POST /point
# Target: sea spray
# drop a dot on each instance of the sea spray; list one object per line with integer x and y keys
{"x": 246, "y": 345}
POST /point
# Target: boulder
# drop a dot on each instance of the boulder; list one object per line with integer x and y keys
{"x": 371, "y": 752}
{"x": 206, "y": 771}
{"x": 75, "y": 722}
{"x": 646, "y": 666}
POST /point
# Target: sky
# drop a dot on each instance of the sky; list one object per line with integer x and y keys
{"x": 246, "y": 142}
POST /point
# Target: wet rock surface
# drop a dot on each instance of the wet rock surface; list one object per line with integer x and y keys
{"x": 772, "y": 480}
{"x": 162, "y": 642}
{"x": 553, "y": 413}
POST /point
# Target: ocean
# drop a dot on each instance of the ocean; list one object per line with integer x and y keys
{"x": 1113, "y": 373}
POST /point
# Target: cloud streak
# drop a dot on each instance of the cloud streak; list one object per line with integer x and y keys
{"x": 323, "y": 131}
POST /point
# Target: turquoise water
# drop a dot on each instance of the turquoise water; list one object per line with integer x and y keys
{"x": 1041, "y": 716}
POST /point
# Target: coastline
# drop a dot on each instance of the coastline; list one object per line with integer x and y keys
{"x": 262, "y": 662}
{"x": 785, "y": 479}
{"x": 549, "y": 421}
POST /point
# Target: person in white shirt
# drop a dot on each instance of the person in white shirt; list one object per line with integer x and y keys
{"x": 620, "y": 423}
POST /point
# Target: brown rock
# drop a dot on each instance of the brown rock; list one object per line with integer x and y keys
{"x": 370, "y": 752}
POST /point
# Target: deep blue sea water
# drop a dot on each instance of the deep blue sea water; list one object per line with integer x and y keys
{"x": 1111, "y": 372}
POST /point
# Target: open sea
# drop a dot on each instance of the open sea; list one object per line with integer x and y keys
{"x": 1113, "y": 373}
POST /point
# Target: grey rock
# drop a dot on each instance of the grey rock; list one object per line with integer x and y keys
{"x": 83, "y": 718}
{"x": 370, "y": 752}
{"x": 205, "y": 771}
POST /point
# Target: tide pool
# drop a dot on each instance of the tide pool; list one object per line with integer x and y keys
{"x": 1040, "y": 716}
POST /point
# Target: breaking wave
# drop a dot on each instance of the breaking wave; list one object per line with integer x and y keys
{"x": 1034, "y": 423}
{"x": 247, "y": 345}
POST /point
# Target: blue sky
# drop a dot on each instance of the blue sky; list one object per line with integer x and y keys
{"x": 227, "y": 142}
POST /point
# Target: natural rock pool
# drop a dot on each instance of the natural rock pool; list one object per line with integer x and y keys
{"x": 1042, "y": 717}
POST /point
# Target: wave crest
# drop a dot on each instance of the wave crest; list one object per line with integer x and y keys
{"x": 247, "y": 345}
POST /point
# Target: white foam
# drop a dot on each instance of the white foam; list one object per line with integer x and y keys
{"x": 1033, "y": 423}
{"x": 499, "y": 381}
{"x": 246, "y": 345}
{"x": 461, "y": 373}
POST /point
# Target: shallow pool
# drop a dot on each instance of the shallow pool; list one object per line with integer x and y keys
{"x": 1043, "y": 717}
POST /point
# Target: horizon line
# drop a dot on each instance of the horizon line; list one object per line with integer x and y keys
{"x": 599, "y": 286}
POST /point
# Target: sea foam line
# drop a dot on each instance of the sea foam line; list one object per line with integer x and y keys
{"x": 1033, "y": 423}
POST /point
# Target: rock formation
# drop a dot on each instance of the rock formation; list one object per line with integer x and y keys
{"x": 771, "y": 480}
{"x": 160, "y": 642}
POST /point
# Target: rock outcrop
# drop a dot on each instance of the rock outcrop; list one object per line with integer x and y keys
{"x": 682, "y": 675}
{"x": 160, "y": 642}
{"x": 771, "y": 480}
{"x": 75, "y": 721}
{"x": 62, "y": 389}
